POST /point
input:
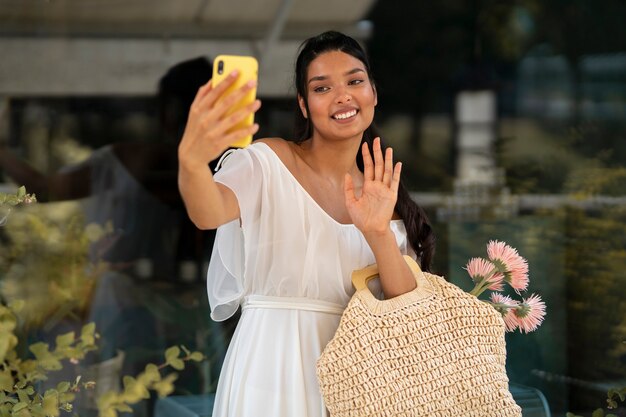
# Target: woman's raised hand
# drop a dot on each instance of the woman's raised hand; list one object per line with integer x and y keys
{"x": 207, "y": 133}
{"x": 372, "y": 211}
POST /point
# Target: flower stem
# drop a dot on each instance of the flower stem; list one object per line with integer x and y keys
{"x": 483, "y": 284}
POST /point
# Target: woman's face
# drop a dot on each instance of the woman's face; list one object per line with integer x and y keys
{"x": 341, "y": 98}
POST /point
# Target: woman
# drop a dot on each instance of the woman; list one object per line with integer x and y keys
{"x": 294, "y": 219}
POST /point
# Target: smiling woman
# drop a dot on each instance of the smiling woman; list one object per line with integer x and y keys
{"x": 294, "y": 219}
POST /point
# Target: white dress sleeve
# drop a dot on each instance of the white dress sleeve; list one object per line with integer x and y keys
{"x": 241, "y": 173}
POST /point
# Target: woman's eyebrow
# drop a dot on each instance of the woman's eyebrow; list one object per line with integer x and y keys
{"x": 325, "y": 77}
{"x": 354, "y": 71}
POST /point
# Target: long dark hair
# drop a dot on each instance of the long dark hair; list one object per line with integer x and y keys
{"x": 419, "y": 231}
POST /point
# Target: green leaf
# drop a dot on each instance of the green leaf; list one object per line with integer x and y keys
{"x": 65, "y": 340}
{"x": 46, "y": 360}
{"x": 4, "y": 411}
{"x": 19, "y": 406}
{"x": 196, "y": 356}
{"x": 107, "y": 412}
{"x": 4, "y": 347}
{"x": 50, "y": 364}
{"x": 89, "y": 328}
{"x": 88, "y": 334}
{"x": 21, "y": 192}
{"x": 6, "y": 381}
{"x": 37, "y": 410}
{"x": 172, "y": 353}
{"x": 166, "y": 386}
{"x": 7, "y": 344}
{"x": 50, "y": 403}
{"x": 134, "y": 391}
{"x": 23, "y": 396}
{"x": 598, "y": 413}
{"x": 66, "y": 397}
{"x": 63, "y": 386}
{"x": 40, "y": 350}
{"x": 5, "y": 399}
{"x": 106, "y": 400}
{"x": 22, "y": 413}
{"x": 123, "y": 407}
{"x": 177, "y": 364}
{"x": 151, "y": 374}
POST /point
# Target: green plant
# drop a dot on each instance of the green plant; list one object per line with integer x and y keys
{"x": 8, "y": 201}
{"x": 137, "y": 389}
{"x": 21, "y": 378}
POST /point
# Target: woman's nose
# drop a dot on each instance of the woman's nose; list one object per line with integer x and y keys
{"x": 343, "y": 97}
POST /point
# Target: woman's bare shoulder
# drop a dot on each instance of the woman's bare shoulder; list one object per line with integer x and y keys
{"x": 282, "y": 148}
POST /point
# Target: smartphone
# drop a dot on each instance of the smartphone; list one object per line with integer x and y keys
{"x": 248, "y": 68}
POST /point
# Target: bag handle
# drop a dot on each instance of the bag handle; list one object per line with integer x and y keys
{"x": 361, "y": 277}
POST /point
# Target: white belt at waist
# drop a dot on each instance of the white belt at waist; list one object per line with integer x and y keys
{"x": 291, "y": 303}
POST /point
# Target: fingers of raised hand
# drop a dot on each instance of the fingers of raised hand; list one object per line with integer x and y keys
{"x": 202, "y": 92}
{"x": 395, "y": 180}
{"x": 223, "y": 105}
{"x": 388, "y": 168}
{"x": 380, "y": 168}
{"x": 213, "y": 101}
{"x": 214, "y": 92}
{"x": 379, "y": 164}
{"x": 226, "y": 140}
{"x": 231, "y": 120}
{"x": 368, "y": 164}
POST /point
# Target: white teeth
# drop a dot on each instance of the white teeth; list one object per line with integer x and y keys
{"x": 345, "y": 115}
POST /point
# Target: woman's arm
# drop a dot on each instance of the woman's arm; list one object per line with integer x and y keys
{"x": 372, "y": 213}
{"x": 210, "y": 204}
{"x": 60, "y": 186}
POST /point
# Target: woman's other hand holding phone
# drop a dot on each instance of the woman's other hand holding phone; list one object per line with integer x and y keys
{"x": 208, "y": 132}
{"x": 207, "y": 135}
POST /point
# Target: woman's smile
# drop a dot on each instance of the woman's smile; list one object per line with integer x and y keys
{"x": 345, "y": 115}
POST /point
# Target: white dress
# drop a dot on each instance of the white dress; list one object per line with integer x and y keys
{"x": 288, "y": 265}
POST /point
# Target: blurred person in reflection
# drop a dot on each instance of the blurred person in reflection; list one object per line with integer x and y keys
{"x": 131, "y": 184}
{"x": 294, "y": 218}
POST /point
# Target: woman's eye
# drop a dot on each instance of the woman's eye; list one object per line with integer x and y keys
{"x": 355, "y": 82}
{"x": 320, "y": 89}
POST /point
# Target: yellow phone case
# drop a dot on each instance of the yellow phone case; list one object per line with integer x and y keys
{"x": 248, "y": 68}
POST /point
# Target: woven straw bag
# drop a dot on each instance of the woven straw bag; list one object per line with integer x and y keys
{"x": 435, "y": 351}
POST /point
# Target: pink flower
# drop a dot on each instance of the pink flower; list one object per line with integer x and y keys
{"x": 530, "y": 313}
{"x": 509, "y": 263}
{"x": 506, "y": 306}
{"x": 482, "y": 271}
